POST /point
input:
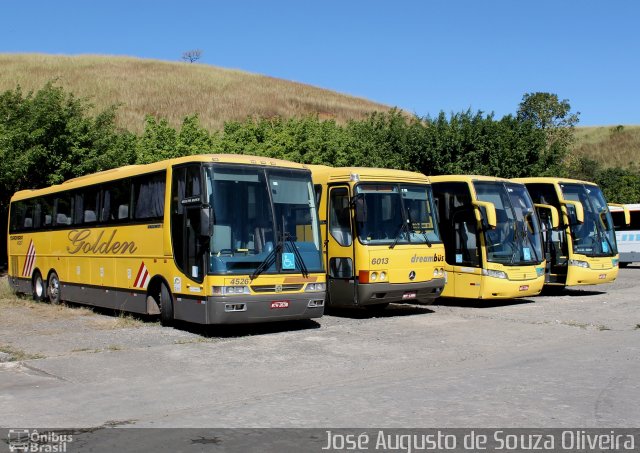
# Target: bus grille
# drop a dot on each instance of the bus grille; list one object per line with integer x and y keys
{"x": 599, "y": 265}
{"x": 275, "y": 288}
{"x": 522, "y": 275}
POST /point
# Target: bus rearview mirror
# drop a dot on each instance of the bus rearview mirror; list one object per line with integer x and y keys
{"x": 577, "y": 208}
{"x": 490, "y": 212}
{"x": 625, "y": 209}
{"x": 205, "y": 221}
{"x": 360, "y": 206}
{"x": 553, "y": 213}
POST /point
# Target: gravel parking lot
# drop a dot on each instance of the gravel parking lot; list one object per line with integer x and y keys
{"x": 562, "y": 360}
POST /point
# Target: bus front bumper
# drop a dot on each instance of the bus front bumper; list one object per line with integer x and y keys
{"x": 243, "y": 309}
{"x": 577, "y": 275}
{"x": 497, "y": 288}
{"x": 382, "y": 293}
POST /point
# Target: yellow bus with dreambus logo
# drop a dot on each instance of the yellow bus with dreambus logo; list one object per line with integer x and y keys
{"x": 581, "y": 249}
{"x": 491, "y": 235}
{"x": 381, "y": 239}
{"x": 208, "y": 239}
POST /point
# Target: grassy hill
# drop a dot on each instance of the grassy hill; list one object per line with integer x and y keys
{"x": 611, "y": 146}
{"x": 173, "y": 90}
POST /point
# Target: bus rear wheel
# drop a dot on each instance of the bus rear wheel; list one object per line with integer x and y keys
{"x": 166, "y": 306}
{"x": 37, "y": 287}
{"x": 53, "y": 288}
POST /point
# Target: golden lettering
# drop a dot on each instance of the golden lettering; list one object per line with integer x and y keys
{"x": 81, "y": 241}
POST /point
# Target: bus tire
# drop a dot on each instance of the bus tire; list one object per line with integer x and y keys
{"x": 53, "y": 288}
{"x": 166, "y": 306}
{"x": 37, "y": 287}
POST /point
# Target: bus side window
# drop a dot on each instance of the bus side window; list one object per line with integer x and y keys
{"x": 116, "y": 198}
{"x": 148, "y": 196}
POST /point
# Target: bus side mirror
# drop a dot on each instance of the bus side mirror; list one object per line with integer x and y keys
{"x": 576, "y": 207}
{"x": 360, "y": 206}
{"x": 552, "y": 213}
{"x": 489, "y": 210}
{"x": 625, "y": 209}
{"x": 205, "y": 222}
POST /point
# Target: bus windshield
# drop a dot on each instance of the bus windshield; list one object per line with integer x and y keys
{"x": 264, "y": 220}
{"x": 595, "y": 236}
{"x": 516, "y": 239}
{"x": 396, "y": 214}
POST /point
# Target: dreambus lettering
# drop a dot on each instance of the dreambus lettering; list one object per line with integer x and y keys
{"x": 81, "y": 242}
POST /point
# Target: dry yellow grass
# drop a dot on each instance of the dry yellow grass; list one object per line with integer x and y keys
{"x": 174, "y": 90}
{"x": 611, "y": 146}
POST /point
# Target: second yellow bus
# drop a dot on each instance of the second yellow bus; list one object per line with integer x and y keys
{"x": 381, "y": 239}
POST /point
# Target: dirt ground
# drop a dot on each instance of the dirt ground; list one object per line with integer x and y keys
{"x": 553, "y": 360}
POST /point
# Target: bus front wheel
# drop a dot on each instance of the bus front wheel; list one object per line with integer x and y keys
{"x": 166, "y": 306}
{"x": 37, "y": 289}
{"x": 53, "y": 288}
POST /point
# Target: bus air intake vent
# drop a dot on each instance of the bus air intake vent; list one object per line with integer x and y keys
{"x": 275, "y": 288}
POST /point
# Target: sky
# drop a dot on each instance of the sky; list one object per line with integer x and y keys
{"x": 421, "y": 56}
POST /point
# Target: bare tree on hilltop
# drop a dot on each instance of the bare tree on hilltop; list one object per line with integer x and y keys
{"x": 192, "y": 55}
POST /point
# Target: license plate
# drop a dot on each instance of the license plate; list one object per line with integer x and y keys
{"x": 524, "y": 287}
{"x": 406, "y": 296}
{"x": 602, "y": 276}
{"x": 280, "y": 304}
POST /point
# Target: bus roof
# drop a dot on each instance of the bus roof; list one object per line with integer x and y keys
{"x": 326, "y": 174}
{"x": 552, "y": 180}
{"x": 135, "y": 170}
{"x": 467, "y": 178}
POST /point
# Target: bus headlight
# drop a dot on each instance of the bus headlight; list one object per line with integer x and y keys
{"x": 383, "y": 276}
{"x": 225, "y": 290}
{"x": 315, "y": 287}
{"x": 579, "y": 263}
{"x": 615, "y": 262}
{"x": 373, "y": 277}
{"x": 539, "y": 271}
{"x": 494, "y": 273}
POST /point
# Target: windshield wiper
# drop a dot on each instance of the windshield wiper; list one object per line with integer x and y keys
{"x": 424, "y": 235}
{"x": 303, "y": 267}
{"x": 403, "y": 227}
{"x": 268, "y": 261}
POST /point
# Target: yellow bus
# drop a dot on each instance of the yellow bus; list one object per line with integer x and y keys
{"x": 208, "y": 239}
{"x": 491, "y": 235}
{"x": 381, "y": 240}
{"x": 582, "y": 249}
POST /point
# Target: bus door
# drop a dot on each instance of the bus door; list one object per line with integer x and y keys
{"x": 340, "y": 256}
{"x": 465, "y": 254}
{"x": 187, "y": 220}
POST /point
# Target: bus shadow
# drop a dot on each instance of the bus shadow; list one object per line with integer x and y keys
{"x": 393, "y": 310}
{"x": 481, "y": 303}
{"x": 572, "y": 292}
{"x": 245, "y": 330}
{"x": 207, "y": 331}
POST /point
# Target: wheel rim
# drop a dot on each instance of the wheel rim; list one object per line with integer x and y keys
{"x": 39, "y": 286}
{"x": 54, "y": 288}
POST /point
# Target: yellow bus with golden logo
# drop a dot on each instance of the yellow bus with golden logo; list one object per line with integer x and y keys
{"x": 208, "y": 239}
{"x": 581, "y": 249}
{"x": 491, "y": 235}
{"x": 381, "y": 239}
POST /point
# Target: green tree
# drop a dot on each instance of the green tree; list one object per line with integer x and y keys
{"x": 48, "y": 136}
{"x": 554, "y": 116}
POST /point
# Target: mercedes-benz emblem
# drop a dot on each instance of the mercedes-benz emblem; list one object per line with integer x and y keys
{"x": 412, "y": 275}
{"x": 278, "y": 288}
